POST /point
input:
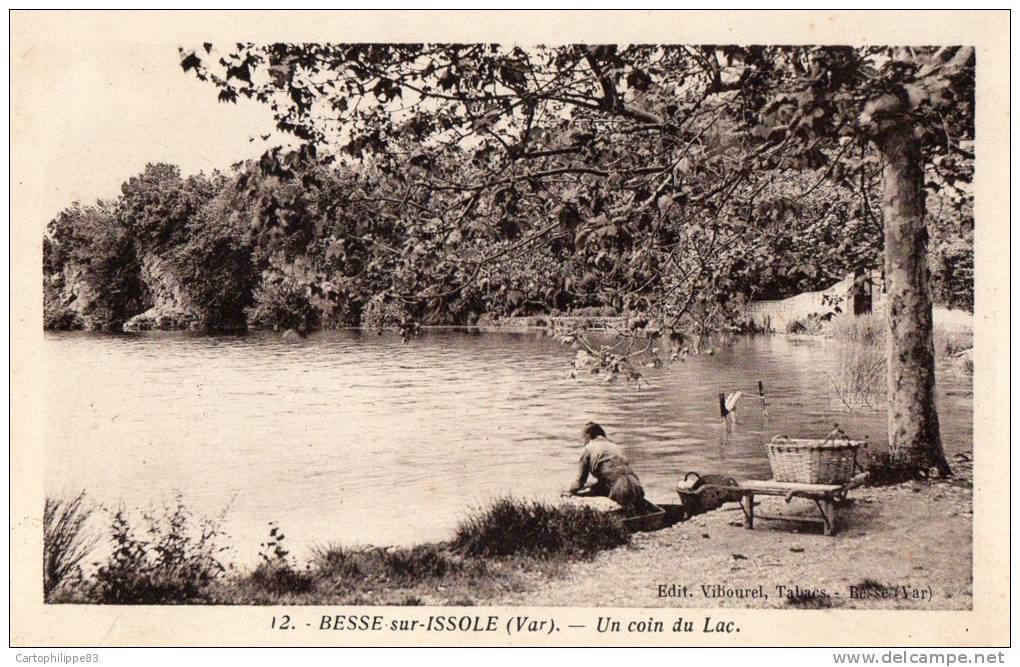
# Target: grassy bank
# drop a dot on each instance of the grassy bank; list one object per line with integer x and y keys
{"x": 524, "y": 553}
{"x": 168, "y": 557}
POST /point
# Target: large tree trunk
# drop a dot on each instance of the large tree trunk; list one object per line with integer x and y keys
{"x": 914, "y": 437}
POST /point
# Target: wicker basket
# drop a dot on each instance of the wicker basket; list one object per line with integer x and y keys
{"x": 808, "y": 461}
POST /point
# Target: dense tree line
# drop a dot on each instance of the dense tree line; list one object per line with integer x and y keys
{"x": 338, "y": 257}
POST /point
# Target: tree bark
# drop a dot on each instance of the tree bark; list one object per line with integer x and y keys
{"x": 914, "y": 437}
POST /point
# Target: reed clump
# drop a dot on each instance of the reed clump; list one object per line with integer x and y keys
{"x": 67, "y": 540}
{"x": 858, "y": 374}
{"x": 869, "y": 330}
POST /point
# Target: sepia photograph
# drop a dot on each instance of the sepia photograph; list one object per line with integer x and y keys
{"x": 525, "y": 321}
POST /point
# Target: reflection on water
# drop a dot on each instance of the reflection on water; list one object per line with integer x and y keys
{"x": 354, "y": 437}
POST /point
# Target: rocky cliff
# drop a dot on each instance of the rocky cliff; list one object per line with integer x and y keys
{"x": 171, "y": 306}
{"x": 70, "y": 302}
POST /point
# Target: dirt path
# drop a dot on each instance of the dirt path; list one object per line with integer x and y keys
{"x": 906, "y": 546}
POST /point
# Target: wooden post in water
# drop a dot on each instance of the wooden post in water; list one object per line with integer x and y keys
{"x": 764, "y": 411}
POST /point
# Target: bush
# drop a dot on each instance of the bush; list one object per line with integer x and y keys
{"x": 214, "y": 265}
{"x": 90, "y": 248}
{"x": 811, "y": 324}
{"x": 156, "y": 205}
{"x": 869, "y": 330}
{"x": 521, "y": 527}
{"x": 171, "y": 562}
{"x": 951, "y": 258}
{"x": 593, "y": 311}
{"x": 276, "y": 573}
{"x": 283, "y": 304}
{"x": 282, "y": 578}
{"x": 66, "y": 542}
{"x": 382, "y": 312}
{"x": 336, "y": 562}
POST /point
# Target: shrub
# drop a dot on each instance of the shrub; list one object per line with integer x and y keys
{"x": 156, "y": 205}
{"x": 66, "y": 541}
{"x": 511, "y": 526}
{"x": 282, "y": 578}
{"x": 283, "y": 304}
{"x": 593, "y": 311}
{"x": 382, "y": 312}
{"x": 951, "y": 258}
{"x": 214, "y": 265}
{"x": 869, "y": 330}
{"x": 276, "y": 573}
{"x": 335, "y": 562}
{"x": 805, "y": 325}
{"x": 171, "y": 562}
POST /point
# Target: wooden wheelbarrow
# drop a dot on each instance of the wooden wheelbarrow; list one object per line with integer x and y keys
{"x": 825, "y": 497}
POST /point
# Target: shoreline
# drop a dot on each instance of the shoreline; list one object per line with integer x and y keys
{"x": 881, "y": 558}
{"x": 944, "y": 318}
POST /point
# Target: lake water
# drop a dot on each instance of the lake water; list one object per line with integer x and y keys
{"x": 357, "y": 438}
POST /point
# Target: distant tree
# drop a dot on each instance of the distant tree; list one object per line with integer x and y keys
{"x": 156, "y": 205}
{"x": 951, "y": 250}
{"x": 213, "y": 260}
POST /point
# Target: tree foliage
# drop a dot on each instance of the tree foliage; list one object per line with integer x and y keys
{"x": 661, "y": 173}
{"x": 339, "y": 257}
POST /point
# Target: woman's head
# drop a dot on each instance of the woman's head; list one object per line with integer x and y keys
{"x": 591, "y": 431}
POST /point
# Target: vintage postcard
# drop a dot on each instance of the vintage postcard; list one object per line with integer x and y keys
{"x": 509, "y": 328}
